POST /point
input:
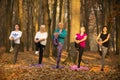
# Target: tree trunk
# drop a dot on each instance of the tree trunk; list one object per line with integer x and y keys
{"x": 40, "y": 14}
{"x": 25, "y": 24}
{"x": 60, "y": 13}
{"x": 47, "y": 21}
{"x": 30, "y": 25}
{"x": 53, "y": 25}
{"x": 117, "y": 34}
{"x": 69, "y": 24}
{"x": 3, "y": 17}
{"x": 75, "y": 18}
{"x": 8, "y": 22}
{"x": 86, "y": 21}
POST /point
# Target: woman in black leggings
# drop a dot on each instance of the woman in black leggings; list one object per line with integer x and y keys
{"x": 40, "y": 42}
{"x": 80, "y": 39}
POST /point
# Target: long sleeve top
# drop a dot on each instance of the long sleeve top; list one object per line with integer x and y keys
{"x": 61, "y": 35}
{"x": 16, "y": 35}
{"x": 40, "y": 35}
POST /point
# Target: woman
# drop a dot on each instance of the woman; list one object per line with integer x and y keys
{"x": 59, "y": 37}
{"x": 80, "y": 39}
{"x": 104, "y": 43}
{"x": 15, "y": 37}
{"x": 41, "y": 40}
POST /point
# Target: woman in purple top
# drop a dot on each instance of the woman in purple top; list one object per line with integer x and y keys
{"x": 80, "y": 39}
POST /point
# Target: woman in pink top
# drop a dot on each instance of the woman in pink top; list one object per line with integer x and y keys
{"x": 80, "y": 39}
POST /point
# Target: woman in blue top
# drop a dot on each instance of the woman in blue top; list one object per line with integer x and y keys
{"x": 59, "y": 37}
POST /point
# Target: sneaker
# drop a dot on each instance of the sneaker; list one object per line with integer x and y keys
{"x": 11, "y": 49}
{"x": 36, "y": 52}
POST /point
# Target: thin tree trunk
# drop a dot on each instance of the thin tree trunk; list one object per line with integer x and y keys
{"x": 25, "y": 24}
{"x": 86, "y": 22}
{"x": 8, "y": 17}
{"x": 47, "y": 21}
{"x": 102, "y": 9}
{"x": 96, "y": 16}
{"x": 53, "y": 25}
{"x": 3, "y": 17}
{"x": 30, "y": 25}
{"x": 117, "y": 34}
{"x": 40, "y": 14}
{"x": 69, "y": 25}
{"x": 60, "y": 13}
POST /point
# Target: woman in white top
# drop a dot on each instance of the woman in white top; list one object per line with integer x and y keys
{"x": 15, "y": 37}
{"x": 40, "y": 41}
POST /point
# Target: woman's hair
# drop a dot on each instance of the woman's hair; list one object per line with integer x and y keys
{"x": 104, "y": 27}
{"x": 18, "y": 25}
{"x": 43, "y": 26}
{"x": 82, "y": 27}
{"x": 60, "y": 23}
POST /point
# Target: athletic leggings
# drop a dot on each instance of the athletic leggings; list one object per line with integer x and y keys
{"x": 16, "y": 50}
{"x": 81, "y": 49}
{"x": 40, "y": 48}
{"x": 104, "y": 52}
{"x": 59, "y": 51}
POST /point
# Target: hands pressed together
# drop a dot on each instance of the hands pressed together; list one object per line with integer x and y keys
{"x": 56, "y": 34}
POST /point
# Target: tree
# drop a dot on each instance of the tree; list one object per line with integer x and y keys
{"x": 30, "y": 14}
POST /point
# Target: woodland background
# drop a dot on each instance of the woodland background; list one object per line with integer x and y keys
{"x": 30, "y": 14}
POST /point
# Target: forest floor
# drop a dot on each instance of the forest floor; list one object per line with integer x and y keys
{"x": 23, "y": 70}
